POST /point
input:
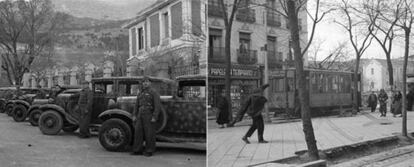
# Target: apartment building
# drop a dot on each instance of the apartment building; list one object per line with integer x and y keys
{"x": 257, "y": 31}
{"x": 167, "y": 39}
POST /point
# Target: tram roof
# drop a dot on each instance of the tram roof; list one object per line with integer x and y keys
{"x": 322, "y": 70}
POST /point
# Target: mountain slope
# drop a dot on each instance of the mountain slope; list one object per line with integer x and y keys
{"x": 102, "y": 9}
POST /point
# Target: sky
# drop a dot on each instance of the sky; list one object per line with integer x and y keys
{"x": 332, "y": 34}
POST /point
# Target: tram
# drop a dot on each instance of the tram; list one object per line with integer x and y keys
{"x": 328, "y": 91}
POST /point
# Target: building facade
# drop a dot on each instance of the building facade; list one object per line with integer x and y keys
{"x": 375, "y": 74}
{"x": 167, "y": 39}
{"x": 257, "y": 32}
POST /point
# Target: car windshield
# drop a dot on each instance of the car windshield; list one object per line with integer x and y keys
{"x": 106, "y": 87}
{"x": 192, "y": 89}
{"x": 128, "y": 88}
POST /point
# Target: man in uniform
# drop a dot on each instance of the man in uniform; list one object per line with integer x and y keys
{"x": 144, "y": 117}
{"x": 84, "y": 103}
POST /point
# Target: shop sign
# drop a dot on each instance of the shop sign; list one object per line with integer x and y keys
{"x": 221, "y": 71}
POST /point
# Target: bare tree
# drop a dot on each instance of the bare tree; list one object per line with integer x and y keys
{"x": 28, "y": 27}
{"x": 229, "y": 12}
{"x": 383, "y": 20}
{"x": 405, "y": 13}
{"x": 335, "y": 56}
{"x": 359, "y": 41}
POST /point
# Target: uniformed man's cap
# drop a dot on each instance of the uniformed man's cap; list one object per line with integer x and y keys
{"x": 146, "y": 78}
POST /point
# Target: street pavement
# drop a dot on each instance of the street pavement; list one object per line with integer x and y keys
{"x": 225, "y": 147}
{"x": 22, "y": 145}
{"x": 399, "y": 157}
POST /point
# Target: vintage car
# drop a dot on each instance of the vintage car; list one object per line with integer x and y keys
{"x": 6, "y": 93}
{"x": 22, "y": 103}
{"x": 31, "y": 108}
{"x": 25, "y": 94}
{"x": 181, "y": 120}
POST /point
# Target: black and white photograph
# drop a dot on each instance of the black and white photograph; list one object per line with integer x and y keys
{"x": 206, "y": 83}
{"x": 103, "y": 83}
{"x": 310, "y": 83}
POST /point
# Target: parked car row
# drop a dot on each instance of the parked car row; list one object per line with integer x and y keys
{"x": 182, "y": 118}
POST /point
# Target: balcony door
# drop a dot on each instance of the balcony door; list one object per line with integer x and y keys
{"x": 215, "y": 44}
{"x": 245, "y": 43}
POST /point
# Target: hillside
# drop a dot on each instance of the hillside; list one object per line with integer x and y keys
{"x": 102, "y": 9}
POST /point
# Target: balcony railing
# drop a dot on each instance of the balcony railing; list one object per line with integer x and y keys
{"x": 246, "y": 15}
{"x": 215, "y": 11}
{"x": 216, "y": 55}
{"x": 186, "y": 70}
{"x": 273, "y": 19}
{"x": 246, "y": 56}
{"x": 274, "y": 59}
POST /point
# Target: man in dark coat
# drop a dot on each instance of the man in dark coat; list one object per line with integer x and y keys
{"x": 240, "y": 114}
{"x": 253, "y": 107}
{"x": 145, "y": 115}
{"x": 372, "y": 101}
{"x": 85, "y": 107}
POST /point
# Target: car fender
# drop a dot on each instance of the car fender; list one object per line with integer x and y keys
{"x": 55, "y": 107}
{"x": 34, "y": 107}
{"x": 22, "y": 102}
{"x": 10, "y": 102}
{"x": 119, "y": 112}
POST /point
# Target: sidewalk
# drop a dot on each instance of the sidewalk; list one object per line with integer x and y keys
{"x": 225, "y": 147}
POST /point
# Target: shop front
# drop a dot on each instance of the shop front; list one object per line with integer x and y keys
{"x": 243, "y": 79}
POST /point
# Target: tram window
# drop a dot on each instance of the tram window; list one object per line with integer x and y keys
{"x": 346, "y": 84}
{"x": 331, "y": 83}
{"x": 314, "y": 83}
{"x": 291, "y": 85}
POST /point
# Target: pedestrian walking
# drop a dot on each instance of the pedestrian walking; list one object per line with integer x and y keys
{"x": 397, "y": 104}
{"x": 372, "y": 101}
{"x": 85, "y": 107}
{"x": 223, "y": 110}
{"x": 253, "y": 107}
{"x": 382, "y": 98}
{"x": 145, "y": 115}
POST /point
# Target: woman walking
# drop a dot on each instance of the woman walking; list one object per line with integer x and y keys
{"x": 396, "y": 103}
{"x": 223, "y": 110}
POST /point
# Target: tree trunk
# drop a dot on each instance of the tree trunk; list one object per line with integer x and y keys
{"x": 355, "y": 89}
{"x": 302, "y": 83}
{"x": 227, "y": 76}
{"x": 390, "y": 71}
{"x": 404, "y": 89}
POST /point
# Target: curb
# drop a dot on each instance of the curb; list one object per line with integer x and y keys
{"x": 334, "y": 152}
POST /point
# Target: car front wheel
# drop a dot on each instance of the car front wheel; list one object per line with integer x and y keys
{"x": 50, "y": 122}
{"x": 115, "y": 134}
{"x": 9, "y": 109}
{"x": 19, "y": 113}
{"x": 34, "y": 117}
